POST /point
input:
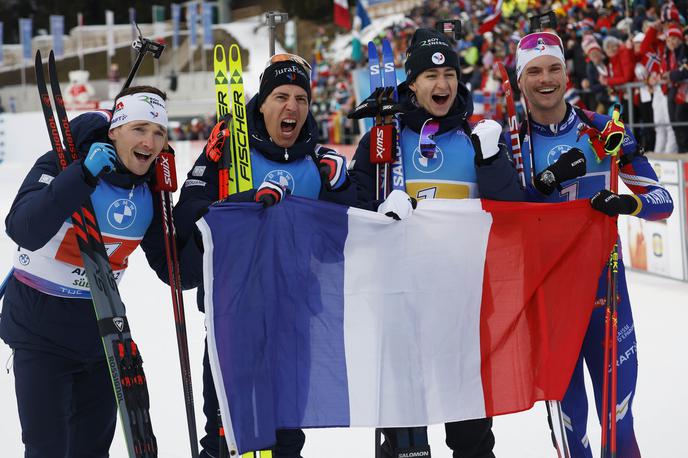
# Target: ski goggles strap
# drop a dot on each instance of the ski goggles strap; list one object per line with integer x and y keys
{"x": 286, "y": 57}
{"x": 535, "y": 45}
{"x": 426, "y": 141}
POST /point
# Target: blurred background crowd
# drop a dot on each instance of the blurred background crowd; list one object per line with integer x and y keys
{"x": 634, "y": 53}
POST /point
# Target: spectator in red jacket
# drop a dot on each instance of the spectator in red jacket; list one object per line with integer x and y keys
{"x": 621, "y": 65}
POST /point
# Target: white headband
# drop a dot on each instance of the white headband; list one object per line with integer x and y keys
{"x": 524, "y": 56}
{"x": 142, "y": 106}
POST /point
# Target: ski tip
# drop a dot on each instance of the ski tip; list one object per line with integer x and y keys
{"x": 219, "y": 52}
{"x": 51, "y": 56}
{"x": 38, "y": 56}
{"x": 235, "y": 53}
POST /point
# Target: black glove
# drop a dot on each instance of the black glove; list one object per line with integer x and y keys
{"x": 270, "y": 193}
{"x": 612, "y": 204}
{"x": 378, "y": 103}
{"x": 570, "y": 165}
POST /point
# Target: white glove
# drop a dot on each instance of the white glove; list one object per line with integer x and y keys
{"x": 398, "y": 205}
{"x": 485, "y": 137}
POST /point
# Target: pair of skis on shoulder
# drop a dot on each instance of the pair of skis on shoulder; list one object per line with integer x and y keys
{"x": 235, "y": 173}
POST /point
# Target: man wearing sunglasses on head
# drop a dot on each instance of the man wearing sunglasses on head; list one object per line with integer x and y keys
{"x": 432, "y": 94}
{"x": 561, "y": 164}
{"x": 285, "y": 159}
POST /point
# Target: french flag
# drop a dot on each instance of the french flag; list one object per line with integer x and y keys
{"x": 342, "y": 17}
{"x": 320, "y": 315}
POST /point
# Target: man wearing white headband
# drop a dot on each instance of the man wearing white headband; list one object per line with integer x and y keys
{"x": 544, "y": 61}
{"x": 64, "y": 393}
{"x": 139, "y": 129}
{"x": 566, "y": 157}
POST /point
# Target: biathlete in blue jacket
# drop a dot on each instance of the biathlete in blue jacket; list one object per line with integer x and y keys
{"x": 432, "y": 93}
{"x": 285, "y": 159}
{"x": 64, "y": 393}
{"x": 557, "y": 127}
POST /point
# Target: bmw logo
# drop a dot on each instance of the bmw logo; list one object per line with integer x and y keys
{"x": 24, "y": 259}
{"x": 121, "y": 214}
{"x": 554, "y": 153}
{"x": 427, "y": 165}
{"x": 282, "y": 177}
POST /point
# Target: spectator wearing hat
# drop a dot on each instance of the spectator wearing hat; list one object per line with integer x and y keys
{"x": 620, "y": 68}
{"x": 674, "y": 65}
{"x": 642, "y": 96}
{"x": 595, "y": 93}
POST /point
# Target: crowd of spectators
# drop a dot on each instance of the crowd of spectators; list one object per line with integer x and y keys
{"x": 606, "y": 49}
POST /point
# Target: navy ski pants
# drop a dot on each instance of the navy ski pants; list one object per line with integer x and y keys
{"x": 67, "y": 408}
{"x": 466, "y": 439}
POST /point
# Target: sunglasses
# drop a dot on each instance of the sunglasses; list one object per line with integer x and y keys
{"x": 286, "y": 57}
{"x": 538, "y": 39}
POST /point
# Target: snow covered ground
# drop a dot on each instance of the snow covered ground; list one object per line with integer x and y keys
{"x": 660, "y": 307}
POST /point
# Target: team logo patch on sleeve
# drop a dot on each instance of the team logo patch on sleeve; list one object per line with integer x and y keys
{"x": 47, "y": 179}
{"x": 198, "y": 171}
{"x": 190, "y": 183}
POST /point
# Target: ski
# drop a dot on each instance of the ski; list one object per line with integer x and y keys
{"x": 222, "y": 103}
{"x": 241, "y": 156}
{"x": 381, "y": 105}
{"x": 123, "y": 358}
{"x": 165, "y": 185}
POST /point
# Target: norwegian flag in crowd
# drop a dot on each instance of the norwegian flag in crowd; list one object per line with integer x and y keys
{"x": 651, "y": 63}
{"x": 491, "y": 21}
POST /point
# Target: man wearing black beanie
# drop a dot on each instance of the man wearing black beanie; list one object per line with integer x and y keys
{"x": 285, "y": 159}
{"x": 433, "y": 94}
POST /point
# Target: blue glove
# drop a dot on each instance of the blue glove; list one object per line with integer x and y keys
{"x": 101, "y": 158}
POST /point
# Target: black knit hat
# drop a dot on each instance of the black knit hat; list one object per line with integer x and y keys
{"x": 280, "y": 73}
{"x": 429, "y": 49}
